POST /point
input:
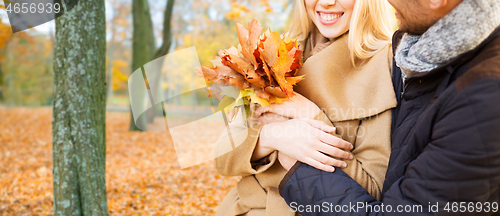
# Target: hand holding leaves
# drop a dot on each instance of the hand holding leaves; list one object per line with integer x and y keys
{"x": 298, "y": 107}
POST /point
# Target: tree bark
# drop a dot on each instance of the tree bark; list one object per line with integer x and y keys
{"x": 143, "y": 46}
{"x": 79, "y": 111}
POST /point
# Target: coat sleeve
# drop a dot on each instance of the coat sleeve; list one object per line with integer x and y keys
{"x": 372, "y": 148}
{"x": 461, "y": 163}
{"x": 367, "y": 168}
{"x": 233, "y": 151}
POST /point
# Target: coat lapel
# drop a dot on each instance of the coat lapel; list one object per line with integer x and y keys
{"x": 344, "y": 92}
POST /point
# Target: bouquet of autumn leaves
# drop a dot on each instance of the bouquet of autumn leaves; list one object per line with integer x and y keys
{"x": 262, "y": 71}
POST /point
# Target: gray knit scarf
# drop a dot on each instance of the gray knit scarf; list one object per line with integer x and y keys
{"x": 463, "y": 29}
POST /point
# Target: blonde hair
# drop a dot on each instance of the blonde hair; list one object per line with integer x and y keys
{"x": 371, "y": 27}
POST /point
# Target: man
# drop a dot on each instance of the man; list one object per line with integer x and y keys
{"x": 445, "y": 155}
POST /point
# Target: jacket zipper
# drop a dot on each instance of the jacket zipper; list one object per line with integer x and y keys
{"x": 405, "y": 84}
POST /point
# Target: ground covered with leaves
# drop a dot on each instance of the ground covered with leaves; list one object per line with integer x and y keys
{"x": 142, "y": 173}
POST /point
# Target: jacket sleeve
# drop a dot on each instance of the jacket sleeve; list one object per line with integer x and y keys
{"x": 234, "y": 150}
{"x": 461, "y": 163}
{"x": 372, "y": 148}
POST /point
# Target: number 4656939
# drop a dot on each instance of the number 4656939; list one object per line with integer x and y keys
{"x": 33, "y": 8}
{"x": 471, "y": 207}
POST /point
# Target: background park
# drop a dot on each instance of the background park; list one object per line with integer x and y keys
{"x": 65, "y": 121}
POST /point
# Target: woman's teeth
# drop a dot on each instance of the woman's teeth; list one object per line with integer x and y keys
{"x": 329, "y": 17}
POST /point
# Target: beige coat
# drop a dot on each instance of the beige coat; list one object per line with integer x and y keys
{"x": 357, "y": 102}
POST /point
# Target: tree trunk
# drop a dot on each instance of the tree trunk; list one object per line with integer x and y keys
{"x": 79, "y": 111}
{"x": 143, "y": 46}
{"x": 163, "y": 50}
{"x": 167, "y": 30}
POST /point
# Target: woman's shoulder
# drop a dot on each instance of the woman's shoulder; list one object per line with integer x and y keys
{"x": 382, "y": 59}
{"x": 385, "y": 51}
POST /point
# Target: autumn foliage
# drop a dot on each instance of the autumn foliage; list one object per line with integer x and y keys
{"x": 263, "y": 70}
{"x": 5, "y": 31}
{"x": 5, "y": 35}
{"x": 142, "y": 173}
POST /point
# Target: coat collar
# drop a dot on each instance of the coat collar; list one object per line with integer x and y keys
{"x": 344, "y": 92}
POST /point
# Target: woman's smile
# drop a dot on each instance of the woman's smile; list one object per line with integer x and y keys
{"x": 329, "y": 18}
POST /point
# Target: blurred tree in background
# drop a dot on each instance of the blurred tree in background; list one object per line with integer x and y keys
{"x": 21, "y": 88}
{"x": 208, "y": 25}
{"x": 144, "y": 50}
{"x": 143, "y": 46}
{"x": 118, "y": 52}
{"x": 162, "y": 51}
{"x": 49, "y": 66}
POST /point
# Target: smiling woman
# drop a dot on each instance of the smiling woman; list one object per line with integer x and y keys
{"x": 332, "y": 18}
{"x": 347, "y": 66}
{"x": 370, "y": 23}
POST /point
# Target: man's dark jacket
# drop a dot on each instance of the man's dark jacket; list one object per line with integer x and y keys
{"x": 445, "y": 147}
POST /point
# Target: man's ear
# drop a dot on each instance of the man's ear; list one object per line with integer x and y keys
{"x": 437, "y": 4}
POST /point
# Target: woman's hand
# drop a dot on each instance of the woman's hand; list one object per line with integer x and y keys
{"x": 285, "y": 161}
{"x": 297, "y": 107}
{"x": 305, "y": 140}
{"x": 269, "y": 117}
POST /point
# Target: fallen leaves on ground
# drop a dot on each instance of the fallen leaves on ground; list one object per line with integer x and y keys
{"x": 143, "y": 176}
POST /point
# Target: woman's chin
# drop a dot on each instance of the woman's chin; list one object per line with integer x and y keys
{"x": 331, "y": 33}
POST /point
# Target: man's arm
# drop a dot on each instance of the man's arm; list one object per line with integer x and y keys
{"x": 461, "y": 164}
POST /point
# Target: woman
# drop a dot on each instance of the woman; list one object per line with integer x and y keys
{"x": 348, "y": 85}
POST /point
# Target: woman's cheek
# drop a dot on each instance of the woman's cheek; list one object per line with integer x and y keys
{"x": 348, "y": 5}
{"x": 311, "y": 8}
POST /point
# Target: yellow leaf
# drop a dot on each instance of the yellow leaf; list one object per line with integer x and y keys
{"x": 277, "y": 100}
{"x": 237, "y": 103}
{"x": 254, "y": 98}
{"x": 226, "y": 101}
{"x": 294, "y": 80}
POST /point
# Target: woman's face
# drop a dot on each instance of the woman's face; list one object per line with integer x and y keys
{"x": 332, "y": 17}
